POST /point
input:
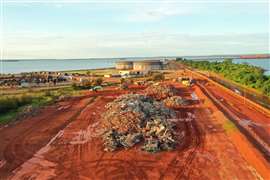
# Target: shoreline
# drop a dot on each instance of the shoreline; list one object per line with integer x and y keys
{"x": 87, "y": 69}
{"x": 60, "y": 71}
{"x": 13, "y": 67}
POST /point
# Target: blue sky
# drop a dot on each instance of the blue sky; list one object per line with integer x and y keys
{"x": 82, "y": 29}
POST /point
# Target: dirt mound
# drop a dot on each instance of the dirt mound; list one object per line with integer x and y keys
{"x": 133, "y": 118}
{"x": 175, "y": 102}
{"x": 160, "y": 91}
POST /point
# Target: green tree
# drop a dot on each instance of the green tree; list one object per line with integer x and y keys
{"x": 245, "y": 74}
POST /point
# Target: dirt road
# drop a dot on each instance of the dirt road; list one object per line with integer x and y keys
{"x": 250, "y": 115}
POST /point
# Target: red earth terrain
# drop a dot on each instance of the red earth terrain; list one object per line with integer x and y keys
{"x": 63, "y": 142}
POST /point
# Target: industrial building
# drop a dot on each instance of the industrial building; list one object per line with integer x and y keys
{"x": 124, "y": 65}
{"x": 137, "y": 68}
{"x": 147, "y": 65}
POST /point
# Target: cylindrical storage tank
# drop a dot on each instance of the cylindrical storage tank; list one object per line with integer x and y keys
{"x": 124, "y": 65}
{"x": 147, "y": 65}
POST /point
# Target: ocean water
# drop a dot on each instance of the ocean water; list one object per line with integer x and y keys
{"x": 18, "y": 66}
{"x": 263, "y": 63}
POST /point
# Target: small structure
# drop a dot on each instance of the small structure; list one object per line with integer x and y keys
{"x": 123, "y": 65}
{"x": 132, "y": 73}
{"x": 111, "y": 75}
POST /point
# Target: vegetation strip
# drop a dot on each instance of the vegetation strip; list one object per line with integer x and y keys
{"x": 244, "y": 74}
{"x": 12, "y": 105}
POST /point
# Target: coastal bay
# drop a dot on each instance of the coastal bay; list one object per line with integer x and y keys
{"x": 33, "y": 65}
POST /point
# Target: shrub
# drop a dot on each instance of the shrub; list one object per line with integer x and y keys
{"x": 86, "y": 84}
{"x": 158, "y": 77}
{"x": 98, "y": 81}
{"x": 12, "y": 103}
{"x": 7, "y": 104}
{"x": 48, "y": 93}
{"x": 122, "y": 80}
{"x": 74, "y": 86}
{"x": 24, "y": 99}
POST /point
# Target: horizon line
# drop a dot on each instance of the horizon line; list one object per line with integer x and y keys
{"x": 135, "y": 57}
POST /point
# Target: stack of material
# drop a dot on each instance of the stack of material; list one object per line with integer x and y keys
{"x": 133, "y": 118}
{"x": 113, "y": 140}
{"x": 159, "y": 136}
{"x": 175, "y": 102}
{"x": 160, "y": 91}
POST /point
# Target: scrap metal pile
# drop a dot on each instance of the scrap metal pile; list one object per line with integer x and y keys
{"x": 134, "y": 118}
{"x": 160, "y": 91}
{"x": 175, "y": 102}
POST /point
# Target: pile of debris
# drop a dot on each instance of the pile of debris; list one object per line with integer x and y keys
{"x": 133, "y": 118}
{"x": 175, "y": 102}
{"x": 160, "y": 91}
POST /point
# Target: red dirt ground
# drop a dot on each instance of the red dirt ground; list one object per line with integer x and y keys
{"x": 252, "y": 116}
{"x": 21, "y": 140}
{"x": 246, "y": 149}
{"x": 260, "y": 123}
{"x": 63, "y": 142}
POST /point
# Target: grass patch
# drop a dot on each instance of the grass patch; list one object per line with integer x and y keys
{"x": 7, "y": 117}
{"x": 11, "y": 105}
{"x": 229, "y": 126}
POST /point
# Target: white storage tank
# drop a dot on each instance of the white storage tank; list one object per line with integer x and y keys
{"x": 124, "y": 65}
{"x": 147, "y": 65}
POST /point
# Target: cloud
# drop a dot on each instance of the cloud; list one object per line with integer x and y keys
{"x": 131, "y": 44}
{"x": 161, "y": 10}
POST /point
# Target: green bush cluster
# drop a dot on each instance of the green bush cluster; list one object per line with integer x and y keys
{"x": 10, "y": 105}
{"x": 13, "y": 102}
{"x": 244, "y": 74}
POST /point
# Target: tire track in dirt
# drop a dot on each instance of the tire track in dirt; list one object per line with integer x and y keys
{"x": 195, "y": 141}
{"x": 141, "y": 167}
{"x": 71, "y": 150}
{"x": 107, "y": 167}
{"x": 22, "y": 147}
{"x": 260, "y": 139}
{"x": 198, "y": 143}
{"x": 122, "y": 169}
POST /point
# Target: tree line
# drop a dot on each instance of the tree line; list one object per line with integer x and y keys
{"x": 244, "y": 74}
